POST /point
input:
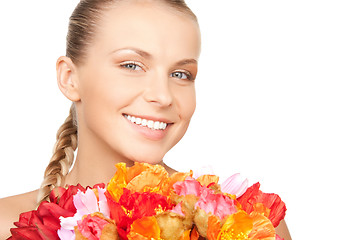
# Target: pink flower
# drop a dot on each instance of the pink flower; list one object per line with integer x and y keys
{"x": 235, "y": 185}
{"x": 188, "y": 186}
{"x": 85, "y": 203}
{"x": 177, "y": 209}
{"x": 216, "y": 204}
{"x": 91, "y": 227}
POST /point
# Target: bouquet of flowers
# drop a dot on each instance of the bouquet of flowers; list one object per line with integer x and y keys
{"x": 143, "y": 202}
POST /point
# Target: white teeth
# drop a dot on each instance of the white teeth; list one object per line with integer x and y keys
{"x": 150, "y": 124}
{"x": 147, "y": 123}
{"x": 156, "y": 125}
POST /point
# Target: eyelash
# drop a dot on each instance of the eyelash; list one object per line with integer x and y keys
{"x": 187, "y": 74}
{"x": 125, "y": 64}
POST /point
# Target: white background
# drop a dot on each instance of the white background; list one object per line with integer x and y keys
{"x": 278, "y": 100}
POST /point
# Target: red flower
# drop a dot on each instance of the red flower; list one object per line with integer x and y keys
{"x": 269, "y": 200}
{"x": 44, "y": 222}
{"x": 64, "y": 197}
{"x": 132, "y": 206}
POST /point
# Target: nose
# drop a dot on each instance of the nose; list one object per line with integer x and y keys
{"x": 158, "y": 90}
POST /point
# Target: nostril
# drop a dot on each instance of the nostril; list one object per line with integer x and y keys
{"x": 159, "y": 97}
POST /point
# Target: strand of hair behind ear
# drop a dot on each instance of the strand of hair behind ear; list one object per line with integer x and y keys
{"x": 63, "y": 156}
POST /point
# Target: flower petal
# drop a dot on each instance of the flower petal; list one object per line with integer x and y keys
{"x": 235, "y": 185}
{"x": 146, "y": 227}
{"x": 118, "y": 182}
{"x": 103, "y": 206}
{"x": 186, "y": 235}
{"x": 176, "y": 177}
{"x": 213, "y": 227}
{"x": 217, "y": 204}
{"x": 178, "y": 209}
{"x": 262, "y": 227}
{"x": 65, "y": 234}
{"x": 206, "y": 180}
{"x": 150, "y": 180}
{"x": 237, "y": 226}
{"x": 86, "y": 203}
{"x": 271, "y": 201}
{"x": 188, "y": 187}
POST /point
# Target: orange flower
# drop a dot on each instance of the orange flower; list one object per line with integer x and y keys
{"x": 237, "y": 226}
{"x": 142, "y": 177}
{"x": 118, "y": 182}
{"x": 144, "y": 228}
{"x": 186, "y": 235}
{"x": 262, "y": 227}
{"x": 213, "y": 230}
{"x": 194, "y": 234}
{"x": 206, "y": 180}
{"x": 261, "y": 209}
{"x": 241, "y": 226}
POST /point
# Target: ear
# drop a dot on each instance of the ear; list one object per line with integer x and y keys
{"x": 67, "y": 78}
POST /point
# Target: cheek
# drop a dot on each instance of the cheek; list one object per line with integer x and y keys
{"x": 186, "y": 100}
{"x": 108, "y": 91}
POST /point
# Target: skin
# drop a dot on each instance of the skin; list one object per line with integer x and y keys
{"x": 135, "y": 66}
{"x": 142, "y": 62}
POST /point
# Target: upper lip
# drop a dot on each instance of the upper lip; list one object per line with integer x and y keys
{"x": 155, "y": 119}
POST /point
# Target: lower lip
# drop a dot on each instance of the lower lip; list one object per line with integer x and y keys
{"x": 148, "y": 133}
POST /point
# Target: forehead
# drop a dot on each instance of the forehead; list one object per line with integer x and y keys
{"x": 153, "y": 27}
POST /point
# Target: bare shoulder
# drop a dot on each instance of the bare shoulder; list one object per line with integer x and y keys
{"x": 283, "y": 231}
{"x": 10, "y": 209}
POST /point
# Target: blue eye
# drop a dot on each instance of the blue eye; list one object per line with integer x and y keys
{"x": 181, "y": 75}
{"x": 131, "y": 66}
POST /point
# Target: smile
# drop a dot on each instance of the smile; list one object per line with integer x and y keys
{"x": 154, "y": 125}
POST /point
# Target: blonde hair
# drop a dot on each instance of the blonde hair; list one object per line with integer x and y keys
{"x": 81, "y": 31}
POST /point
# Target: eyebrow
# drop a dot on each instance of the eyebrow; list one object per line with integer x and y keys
{"x": 135, "y": 50}
{"x": 186, "y": 61}
{"x": 147, "y": 55}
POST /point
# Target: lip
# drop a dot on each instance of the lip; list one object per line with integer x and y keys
{"x": 151, "y": 134}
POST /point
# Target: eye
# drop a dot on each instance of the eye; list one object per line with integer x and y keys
{"x": 131, "y": 66}
{"x": 181, "y": 75}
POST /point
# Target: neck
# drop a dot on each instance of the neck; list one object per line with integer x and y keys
{"x": 95, "y": 164}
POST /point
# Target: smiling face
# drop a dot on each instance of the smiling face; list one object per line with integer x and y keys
{"x": 136, "y": 84}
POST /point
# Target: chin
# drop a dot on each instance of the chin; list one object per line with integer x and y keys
{"x": 147, "y": 157}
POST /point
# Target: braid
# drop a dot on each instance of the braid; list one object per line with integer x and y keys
{"x": 63, "y": 156}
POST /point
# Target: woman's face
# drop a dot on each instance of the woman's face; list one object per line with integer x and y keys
{"x": 137, "y": 82}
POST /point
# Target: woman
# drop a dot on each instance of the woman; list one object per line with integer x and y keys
{"x": 129, "y": 70}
